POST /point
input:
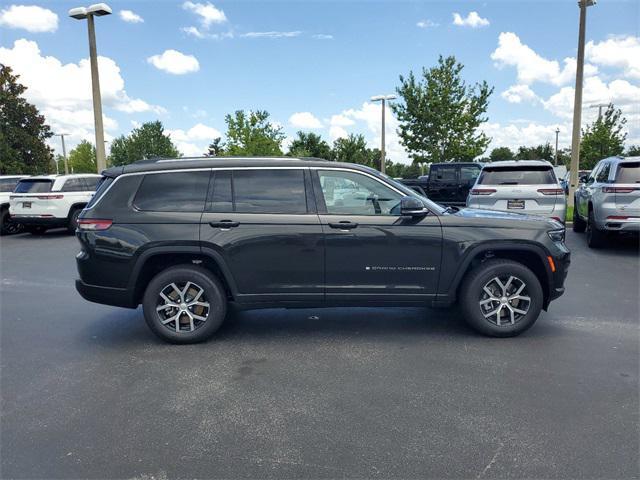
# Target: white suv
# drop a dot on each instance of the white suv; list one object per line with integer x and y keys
{"x": 7, "y": 184}
{"x": 50, "y": 201}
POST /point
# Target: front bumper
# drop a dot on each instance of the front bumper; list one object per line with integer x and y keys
{"x": 561, "y": 263}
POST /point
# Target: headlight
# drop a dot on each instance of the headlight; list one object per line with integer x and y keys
{"x": 557, "y": 235}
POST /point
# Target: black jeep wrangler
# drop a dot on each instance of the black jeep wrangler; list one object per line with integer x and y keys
{"x": 186, "y": 237}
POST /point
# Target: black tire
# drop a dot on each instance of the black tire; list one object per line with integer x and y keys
{"x": 73, "y": 220}
{"x": 472, "y": 291}
{"x": 213, "y": 293}
{"x": 7, "y": 227}
{"x": 595, "y": 238}
{"x": 579, "y": 225}
{"x": 36, "y": 230}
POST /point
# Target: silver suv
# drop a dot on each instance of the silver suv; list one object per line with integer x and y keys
{"x": 608, "y": 200}
{"x": 526, "y": 186}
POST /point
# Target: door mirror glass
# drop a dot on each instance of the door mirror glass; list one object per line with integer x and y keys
{"x": 412, "y": 207}
{"x": 584, "y": 178}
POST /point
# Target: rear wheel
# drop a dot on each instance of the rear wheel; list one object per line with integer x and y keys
{"x": 595, "y": 238}
{"x": 7, "y": 226}
{"x": 579, "y": 225}
{"x": 184, "y": 304}
{"x": 73, "y": 220}
{"x": 501, "y": 298}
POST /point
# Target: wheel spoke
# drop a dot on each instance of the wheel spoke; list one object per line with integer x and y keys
{"x": 484, "y": 302}
{"x": 175, "y": 287}
{"x": 513, "y": 317}
{"x": 183, "y": 294}
{"x": 191, "y": 324}
{"x": 198, "y": 295}
{"x": 506, "y": 287}
{"x": 517, "y": 310}
{"x": 198, "y": 317}
{"x": 198, "y": 304}
{"x": 167, "y": 300}
{"x": 170, "y": 319}
{"x": 178, "y": 322}
{"x": 165, "y": 306}
{"x": 488, "y": 290}
{"x": 520, "y": 297}
{"x": 501, "y": 285}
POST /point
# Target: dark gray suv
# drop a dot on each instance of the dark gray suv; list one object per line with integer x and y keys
{"x": 186, "y": 237}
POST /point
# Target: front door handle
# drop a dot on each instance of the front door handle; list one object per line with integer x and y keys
{"x": 344, "y": 225}
{"x": 224, "y": 224}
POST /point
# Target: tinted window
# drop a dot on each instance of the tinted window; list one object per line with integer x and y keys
{"x": 468, "y": 174}
{"x": 8, "y": 184}
{"x": 356, "y": 194}
{"x": 73, "y": 185}
{"x": 628, "y": 173}
{"x": 443, "y": 174}
{"x": 269, "y": 191}
{"x": 33, "y": 186}
{"x": 221, "y": 199}
{"x": 603, "y": 173}
{"x": 517, "y": 176}
{"x": 101, "y": 187}
{"x": 91, "y": 183}
{"x": 173, "y": 192}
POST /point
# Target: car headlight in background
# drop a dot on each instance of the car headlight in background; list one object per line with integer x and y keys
{"x": 557, "y": 235}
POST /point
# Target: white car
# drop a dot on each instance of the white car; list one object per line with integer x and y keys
{"x": 7, "y": 184}
{"x": 50, "y": 201}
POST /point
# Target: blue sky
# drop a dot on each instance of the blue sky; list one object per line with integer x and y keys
{"x": 321, "y": 60}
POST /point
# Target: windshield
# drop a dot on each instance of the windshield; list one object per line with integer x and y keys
{"x": 34, "y": 186}
{"x": 628, "y": 173}
{"x": 517, "y": 176}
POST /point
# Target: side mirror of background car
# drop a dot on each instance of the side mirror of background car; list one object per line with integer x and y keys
{"x": 412, "y": 207}
{"x": 584, "y": 178}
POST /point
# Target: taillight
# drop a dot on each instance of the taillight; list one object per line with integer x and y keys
{"x": 551, "y": 191}
{"x": 482, "y": 191}
{"x": 93, "y": 225}
{"x": 620, "y": 217}
{"x": 49, "y": 197}
{"x": 618, "y": 189}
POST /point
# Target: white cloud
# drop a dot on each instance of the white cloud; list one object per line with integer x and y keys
{"x": 336, "y": 132}
{"x": 621, "y": 52}
{"x": 532, "y": 67}
{"x": 426, "y": 23}
{"x": 531, "y": 134}
{"x": 304, "y": 120}
{"x": 323, "y": 36}
{"x": 519, "y": 94}
{"x": 271, "y": 34}
{"x": 130, "y": 17}
{"x": 29, "y": 17}
{"x": 472, "y": 20}
{"x": 62, "y": 92}
{"x": 198, "y": 33}
{"x": 341, "y": 121}
{"x": 194, "y": 142}
{"x": 207, "y": 12}
{"x": 174, "y": 62}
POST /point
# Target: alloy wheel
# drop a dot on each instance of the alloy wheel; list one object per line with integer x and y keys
{"x": 182, "y": 306}
{"x": 504, "y": 300}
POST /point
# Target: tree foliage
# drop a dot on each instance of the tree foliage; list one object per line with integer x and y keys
{"x": 603, "y": 138}
{"x": 309, "y": 145}
{"x": 538, "y": 152}
{"x": 216, "y": 148}
{"x": 23, "y": 130}
{"x": 251, "y": 134}
{"x": 82, "y": 159}
{"x": 633, "y": 151}
{"x": 501, "y": 153}
{"x": 440, "y": 115}
{"x": 146, "y": 141}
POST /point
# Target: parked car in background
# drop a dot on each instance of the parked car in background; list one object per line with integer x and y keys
{"x": 608, "y": 201}
{"x": 564, "y": 181}
{"x": 447, "y": 183}
{"x": 50, "y": 201}
{"x": 187, "y": 237}
{"x": 7, "y": 184}
{"x": 526, "y": 186}
{"x": 419, "y": 185}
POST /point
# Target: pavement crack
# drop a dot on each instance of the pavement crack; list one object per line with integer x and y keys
{"x": 492, "y": 461}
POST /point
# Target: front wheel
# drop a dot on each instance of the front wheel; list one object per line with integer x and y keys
{"x": 501, "y": 298}
{"x": 184, "y": 304}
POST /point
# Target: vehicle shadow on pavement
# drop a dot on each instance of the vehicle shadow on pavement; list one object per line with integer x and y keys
{"x": 623, "y": 245}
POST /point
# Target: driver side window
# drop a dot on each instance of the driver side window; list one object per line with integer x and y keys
{"x": 350, "y": 193}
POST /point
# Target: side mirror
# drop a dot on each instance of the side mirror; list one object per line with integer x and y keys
{"x": 584, "y": 178}
{"x": 412, "y": 207}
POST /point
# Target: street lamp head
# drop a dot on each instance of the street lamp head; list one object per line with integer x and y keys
{"x": 78, "y": 13}
{"x": 377, "y": 98}
{"x": 97, "y": 9}
{"x": 586, "y": 3}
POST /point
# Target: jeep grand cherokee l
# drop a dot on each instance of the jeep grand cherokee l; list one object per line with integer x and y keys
{"x": 186, "y": 237}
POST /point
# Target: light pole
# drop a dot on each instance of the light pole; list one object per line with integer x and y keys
{"x": 577, "y": 102}
{"x": 80, "y": 13}
{"x": 557, "y": 132}
{"x": 382, "y": 99}
{"x": 64, "y": 153}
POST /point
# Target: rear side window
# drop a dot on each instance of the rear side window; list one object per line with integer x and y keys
{"x": 8, "y": 184}
{"x": 628, "y": 173}
{"x": 73, "y": 185}
{"x": 517, "y": 176}
{"x": 101, "y": 187}
{"x": 91, "y": 183}
{"x": 603, "y": 173}
{"x": 269, "y": 191}
{"x": 442, "y": 174}
{"x": 34, "y": 186}
{"x": 173, "y": 192}
{"x": 221, "y": 193}
{"x": 469, "y": 174}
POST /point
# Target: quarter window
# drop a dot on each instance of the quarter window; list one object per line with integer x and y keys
{"x": 349, "y": 193}
{"x": 173, "y": 192}
{"x": 73, "y": 185}
{"x": 92, "y": 183}
{"x": 603, "y": 173}
{"x": 269, "y": 191}
{"x": 221, "y": 196}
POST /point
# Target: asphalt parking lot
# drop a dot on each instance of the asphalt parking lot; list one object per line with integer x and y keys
{"x": 88, "y": 392}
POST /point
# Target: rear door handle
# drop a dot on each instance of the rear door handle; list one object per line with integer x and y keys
{"x": 344, "y": 225}
{"x": 224, "y": 224}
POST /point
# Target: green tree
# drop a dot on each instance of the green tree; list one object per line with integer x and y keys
{"x": 146, "y": 141}
{"x": 603, "y": 138}
{"x": 352, "y": 149}
{"x": 216, "y": 148}
{"x": 252, "y": 134}
{"x": 633, "y": 151}
{"x": 539, "y": 152}
{"x": 501, "y": 153}
{"x": 440, "y": 115}
{"x": 309, "y": 145}
{"x": 23, "y": 130}
{"x": 82, "y": 159}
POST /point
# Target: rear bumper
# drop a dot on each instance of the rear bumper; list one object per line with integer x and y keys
{"x": 622, "y": 225}
{"x": 118, "y": 297}
{"x": 39, "y": 221}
